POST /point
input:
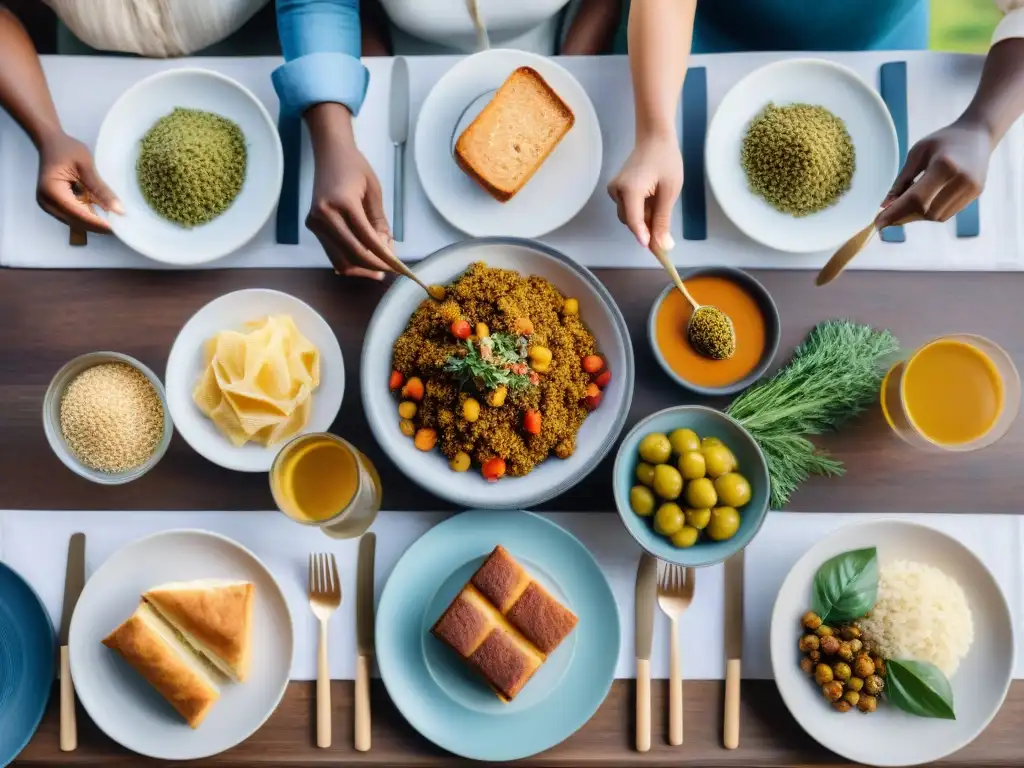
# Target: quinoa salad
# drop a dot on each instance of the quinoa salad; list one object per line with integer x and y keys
{"x": 499, "y": 375}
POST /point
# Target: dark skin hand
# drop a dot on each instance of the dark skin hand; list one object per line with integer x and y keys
{"x": 347, "y": 214}
{"x": 68, "y": 183}
{"x": 945, "y": 171}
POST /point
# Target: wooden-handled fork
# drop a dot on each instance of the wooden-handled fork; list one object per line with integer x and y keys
{"x": 675, "y": 593}
{"x": 324, "y": 599}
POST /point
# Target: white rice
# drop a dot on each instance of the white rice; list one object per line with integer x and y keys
{"x": 922, "y": 614}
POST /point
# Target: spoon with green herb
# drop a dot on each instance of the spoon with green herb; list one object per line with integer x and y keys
{"x": 709, "y": 330}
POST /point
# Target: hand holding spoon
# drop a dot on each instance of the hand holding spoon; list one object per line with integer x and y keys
{"x": 436, "y": 292}
{"x": 709, "y": 329}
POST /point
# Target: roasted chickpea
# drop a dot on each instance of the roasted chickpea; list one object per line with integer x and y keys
{"x": 851, "y": 698}
{"x": 807, "y": 666}
{"x": 845, "y": 652}
{"x": 809, "y": 643}
{"x": 863, "y": 666}
{"x": 814, "y": 656}
{"x": 856, "y": 645}
{"x": 823, "y": 674}
{"x": 850, "y": 632}
{"x": 841, "y": 671}
{"x": 842, "y": 706}
{"x": 867, "y": 703}
{"x": 879, "y": 664}
{"x": 824, "y": 630}
{"x": 833, "y": 691}
{"x": 873, "y": 685}
{"x": 830, "y": 645}
{"x": 811, "y": 620}
{"x": 854, "y": 684}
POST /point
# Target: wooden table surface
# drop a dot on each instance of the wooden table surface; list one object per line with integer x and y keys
{"x": 47, "y": 317}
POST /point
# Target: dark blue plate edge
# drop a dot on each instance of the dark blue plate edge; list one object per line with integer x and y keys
{"x": 51, "y": 675}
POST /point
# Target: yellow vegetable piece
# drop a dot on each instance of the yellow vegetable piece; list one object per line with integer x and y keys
{"x": 482, "y": 331}
{"x": 407, "y": 427}
{"x": 407, "y": 409}
{"x": 541, "y": 355}
{"x": 496, "y": 398}
{"x": 460, "y": 462}
{"x": 470, "y": 410}
{"x": 571, "y": 307}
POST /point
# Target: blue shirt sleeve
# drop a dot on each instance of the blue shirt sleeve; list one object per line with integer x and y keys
{"x": 321, "y": 44}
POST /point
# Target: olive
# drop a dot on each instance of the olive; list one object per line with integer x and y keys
{"x": 645, "y": 473}
{"x": 733, "y": 489}
{"x": 707, "y": 442}
{"x": 685, "y": 537}
{"x": 655, "y": 448}
{"x": 700, "y": 494}
{"x": 668, "y": 483}
{"x": 718, "y": 460}
{"x": 691, "y": 464}
{"x": 725, "y": 521}
{"x": 811, "y": 620}
{"x": 698, "y": 518}
{"x": 684, "y": 440}
{"x": 641, "y": 500}
{"x": 668, "y": 519}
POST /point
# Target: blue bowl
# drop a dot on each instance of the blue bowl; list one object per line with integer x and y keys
{"x": 706, "y": 422}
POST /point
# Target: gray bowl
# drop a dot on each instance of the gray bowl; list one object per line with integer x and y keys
{"x": 51, "y": 418}
{"x": 773, "y": 329}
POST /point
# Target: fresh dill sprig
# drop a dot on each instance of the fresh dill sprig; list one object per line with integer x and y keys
{"x": 833, "y": 376}
{"x": 487, "y": 375}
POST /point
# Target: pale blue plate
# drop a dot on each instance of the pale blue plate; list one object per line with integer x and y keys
{"x": 706, "y": 422}
{"x": 28, "y": 652}
{"x": 434, "y": 689}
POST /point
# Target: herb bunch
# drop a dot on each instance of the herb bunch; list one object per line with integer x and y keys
{"x": 833, "y": 376}
{"x": 494, "y": 370}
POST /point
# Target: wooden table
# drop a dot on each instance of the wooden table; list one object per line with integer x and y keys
{"x": 48, "y": 317}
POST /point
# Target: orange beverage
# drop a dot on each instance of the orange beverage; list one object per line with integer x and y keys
{"x": 322, "y": 480}
{"x": 955, "y": 393}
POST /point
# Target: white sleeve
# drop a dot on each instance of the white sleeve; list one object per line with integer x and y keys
{"x": 1012, "y": 24}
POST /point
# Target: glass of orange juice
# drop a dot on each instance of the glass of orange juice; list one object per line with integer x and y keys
{"x": 320, "y": 479}
{"x": 956, "y": 393}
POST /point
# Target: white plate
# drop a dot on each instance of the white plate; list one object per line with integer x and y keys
{"x": 555, "y": 194}
{"x": 117, "y": 152}
{"x": 890, "y": 737}
{"x": 810, "y": 81}
{"x": 185, "y": 365}
{"x": 121, "y": 702}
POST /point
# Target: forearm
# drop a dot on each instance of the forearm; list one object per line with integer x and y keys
{"x": 999, "y": 100}
{"x": 23, "y": 89}
{"x": 376, "y": 33}
{"x": 329, "y": 125}
{"x": 660, "y": 32}
{"x": 593, "y": 28}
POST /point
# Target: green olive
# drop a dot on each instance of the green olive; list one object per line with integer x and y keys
{"x": 733, "y": 489}
{"x": 668, "y": 519}
{"x": 700, "y": 493}
{"x": 707, "y": 442}
{"x": 684, "y": 440}
{"x": 668, "y": 483}
{"x": 645, "y": 473}
{"x": 718, "y": 460}
{"x": 685, "y": 537}
{"x": 698, "y": 518}
{"x": 725, "y": 521}
{"x": 655, "y": 448}
{"x": 641, "y": 500}
{"x": 691, "y": 464}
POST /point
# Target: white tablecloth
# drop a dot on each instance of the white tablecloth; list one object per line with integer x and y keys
{"x": 34, "y": 543}
{"x": 939, "y": 86}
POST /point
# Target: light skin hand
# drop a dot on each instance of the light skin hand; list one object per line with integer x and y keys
{"x": 647, "y": 187}
{"x": 347, "y": 214}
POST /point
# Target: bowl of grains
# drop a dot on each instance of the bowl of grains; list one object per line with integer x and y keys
{"x": 105, "y": 416}
{"x": 196, "y": 161}
{"x": 800, "y": 154}
{"x": 511, "y": 389}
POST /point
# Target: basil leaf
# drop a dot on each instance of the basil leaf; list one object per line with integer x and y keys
{"x": 919, "y": 688}
{"x": 845, "y": 587}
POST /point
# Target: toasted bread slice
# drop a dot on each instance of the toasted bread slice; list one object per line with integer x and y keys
{"x": 514, "y": 134}
{"x": 214, "y": 616}
{"x": 163, "y": 659}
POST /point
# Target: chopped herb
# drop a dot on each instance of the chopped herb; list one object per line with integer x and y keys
{"x": 487, "y": 364}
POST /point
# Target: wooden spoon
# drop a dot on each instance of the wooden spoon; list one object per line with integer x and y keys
{"x": 666, "y": 262}
{"x": 436, "y": 292}
{"x": 851, "y": 248}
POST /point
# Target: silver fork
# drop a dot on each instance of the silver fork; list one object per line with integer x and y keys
{"x": 324, "y": 598}
{"x": 675, "y": 593}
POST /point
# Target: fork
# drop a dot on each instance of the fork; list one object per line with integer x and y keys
{"x": 675, "y": 593}
{"x": 324, "y": 598}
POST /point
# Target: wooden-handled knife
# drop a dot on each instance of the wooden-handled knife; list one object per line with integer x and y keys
{"x": 646, "y": 593}
{"x": 364, "y": 638}
{"x": 74, "y": 580}
{"x": 733, "y": 648}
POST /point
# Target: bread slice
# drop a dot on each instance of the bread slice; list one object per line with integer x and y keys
{"x": 163, "y": 659}
{"x": 214, "y": 616}
{"x": 514, "y": 134}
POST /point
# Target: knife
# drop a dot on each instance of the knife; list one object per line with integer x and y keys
{"x": 364, "y": 638}
{"x": 74, "y": 580}
{"x": 646, "y": 591}
{"x": 398, "y": 116}
{"x": 733, "y": 648}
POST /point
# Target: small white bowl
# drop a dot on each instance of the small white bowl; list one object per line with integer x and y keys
{"x": 51, "y": 418}
{"x": 185, "y": 365}
{"x": 117, "y": 152}
{"x": 808, "y": 81}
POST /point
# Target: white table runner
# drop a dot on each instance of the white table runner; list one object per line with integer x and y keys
{"x": 939, "y": 86}
{"x": 34, "y": 543}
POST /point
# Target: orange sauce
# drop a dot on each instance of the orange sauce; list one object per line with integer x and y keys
{"x": 670, "y": 332}
{"x": 952, "y": 392}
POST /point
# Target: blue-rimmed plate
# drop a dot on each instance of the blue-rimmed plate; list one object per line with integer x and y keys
{"x": 432, "y": 687}
{"x": 28, "y": 650}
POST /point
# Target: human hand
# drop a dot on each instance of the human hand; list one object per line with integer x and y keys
{"x": 647, "y": 187}
{"x": 68, "y": 185}
{"x": 943, "y": 173}
{"x": 347, "y": 214}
